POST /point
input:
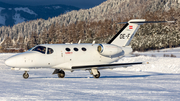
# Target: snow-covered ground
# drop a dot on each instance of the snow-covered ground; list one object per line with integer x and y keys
{"x": 161, "y": 53}
{"x": 158, "y": 80}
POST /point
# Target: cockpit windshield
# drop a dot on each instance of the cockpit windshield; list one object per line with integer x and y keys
{"x": 41, "y": 49}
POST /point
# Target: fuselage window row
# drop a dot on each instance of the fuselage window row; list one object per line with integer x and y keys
{"x": 75, "y": 49}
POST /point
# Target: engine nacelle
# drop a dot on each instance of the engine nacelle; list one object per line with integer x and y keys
{"x": 109, "y": 50}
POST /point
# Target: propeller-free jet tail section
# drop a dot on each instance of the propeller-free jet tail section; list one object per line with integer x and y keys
{"x": 125, "y": 35}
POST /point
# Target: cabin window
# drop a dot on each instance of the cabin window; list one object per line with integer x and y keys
{"x": 40, "y": 49}
{"x": 83, "y": 49}
{"x": 50, "y": 51}
{"x": 68, "y": 49}
{"x": 76, "y": 49}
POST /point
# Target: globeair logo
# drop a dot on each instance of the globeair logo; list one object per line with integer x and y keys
{"x": 130, "y": 27}
{"x": 68, "y": 52}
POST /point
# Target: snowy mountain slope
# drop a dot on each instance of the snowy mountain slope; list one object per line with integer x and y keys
{"x": 25, "y": 9}
{"x": 14, "y": 14}
{"x": 157, "y": 81}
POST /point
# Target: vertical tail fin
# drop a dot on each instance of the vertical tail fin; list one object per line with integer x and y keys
{"x": 125, "y": 35}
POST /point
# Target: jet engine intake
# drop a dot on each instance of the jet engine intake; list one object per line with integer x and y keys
{"x": 109, "y": 50}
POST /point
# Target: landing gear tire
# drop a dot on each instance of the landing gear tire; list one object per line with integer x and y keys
{"x": 61, "y": 74}
{"x": 97, "y": 75}
{"x": 25, "y": 75}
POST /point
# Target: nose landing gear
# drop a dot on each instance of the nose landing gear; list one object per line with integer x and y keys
{"x": 25, "y": 75}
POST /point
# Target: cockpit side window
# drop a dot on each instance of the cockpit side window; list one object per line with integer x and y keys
{"x": 41, "y": 49}
{"x": 50, "y": 51}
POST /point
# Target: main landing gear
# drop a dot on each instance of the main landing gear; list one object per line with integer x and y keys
{"x": 25, "y": 75}
{"x": 59, "y": 72}
{"x": 95, "y": 73}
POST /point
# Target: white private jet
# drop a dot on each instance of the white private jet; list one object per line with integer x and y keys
{"x": 92, "y": 57}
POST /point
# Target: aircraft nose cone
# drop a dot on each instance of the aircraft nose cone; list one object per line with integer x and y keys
{"x": 10, "y": 61}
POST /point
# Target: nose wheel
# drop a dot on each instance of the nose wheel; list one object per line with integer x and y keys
{"x": 25, "y": 75}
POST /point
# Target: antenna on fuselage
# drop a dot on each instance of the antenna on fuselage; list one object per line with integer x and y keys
{"x": 93, "y": 42}
{"x": 79, "y": 42}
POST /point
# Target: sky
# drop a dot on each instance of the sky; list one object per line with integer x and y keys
{"x": 84, "y": 4}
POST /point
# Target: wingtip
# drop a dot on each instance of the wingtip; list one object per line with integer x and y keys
{"x": 171, "y": 21}
{"x": 145, "y": 62}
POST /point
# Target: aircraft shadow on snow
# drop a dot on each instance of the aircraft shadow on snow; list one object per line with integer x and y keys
{"x": 138, "y": 76}
{"x": 113, "y": 77}
{"x": 128, "y": 76}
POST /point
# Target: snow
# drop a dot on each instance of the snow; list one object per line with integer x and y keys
{"x": 158, "y": 80}
{"x": 161, "y": 53}
{"x": 156, "y": 64}
{"x": 57, "y": 7}
{"x": 2, "y": 18}
{"x": 25, "y": 9}
{"x": 48, "y": 7}
{"x": 18, "y": 19}
{"x": 1, "y": 9}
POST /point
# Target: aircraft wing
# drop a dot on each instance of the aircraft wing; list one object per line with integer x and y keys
{"x": 106, "y": 66}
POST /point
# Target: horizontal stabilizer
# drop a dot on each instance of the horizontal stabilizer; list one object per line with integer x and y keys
{"x": 147, "y": 22}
